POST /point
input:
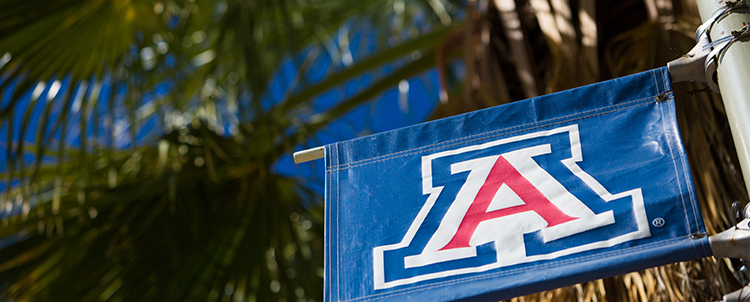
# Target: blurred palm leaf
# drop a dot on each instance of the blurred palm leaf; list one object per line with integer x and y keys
{"x": 197, "y": 213}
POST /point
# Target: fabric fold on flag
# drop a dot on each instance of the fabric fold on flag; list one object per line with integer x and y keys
{"x": 511, "y": 200}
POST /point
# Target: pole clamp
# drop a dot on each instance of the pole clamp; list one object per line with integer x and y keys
{"x": 715, "y": 56}
{"x": 701, "y": 62}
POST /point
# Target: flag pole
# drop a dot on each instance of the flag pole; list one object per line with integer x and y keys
{"x": 733, "y": 74}
{"x": 309, "y": 155}
{"x": 729, "y": 67}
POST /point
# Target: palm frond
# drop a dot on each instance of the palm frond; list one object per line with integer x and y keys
{"x": 101, "y": 195}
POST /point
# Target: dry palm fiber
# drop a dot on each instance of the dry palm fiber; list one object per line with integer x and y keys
{"x": 633, "y": 36}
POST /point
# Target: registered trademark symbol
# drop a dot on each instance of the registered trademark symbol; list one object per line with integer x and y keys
{"x": 658, "y": 222}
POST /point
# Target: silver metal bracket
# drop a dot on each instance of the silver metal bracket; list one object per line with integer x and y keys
{"x": 732, "y": 243}
{"x": 691, "y": 66}
{"x": 701, "y": 62}
{"x": 738, "y": 295}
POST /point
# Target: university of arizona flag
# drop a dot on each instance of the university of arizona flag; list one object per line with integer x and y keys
{"x": 511, "y": 200}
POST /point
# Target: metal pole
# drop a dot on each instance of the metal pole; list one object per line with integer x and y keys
{"x": 309, "y": 154}
{"x": 733, "y": 73}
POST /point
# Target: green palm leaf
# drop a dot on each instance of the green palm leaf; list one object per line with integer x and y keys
{"x": 193, "y": 215}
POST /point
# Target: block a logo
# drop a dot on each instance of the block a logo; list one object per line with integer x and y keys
{"x": 508, "y": 202}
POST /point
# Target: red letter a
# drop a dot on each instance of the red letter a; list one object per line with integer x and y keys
{"x": 503, "y": 172}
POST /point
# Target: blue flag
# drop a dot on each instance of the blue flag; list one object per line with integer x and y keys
{"x": 538, "y": 194}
